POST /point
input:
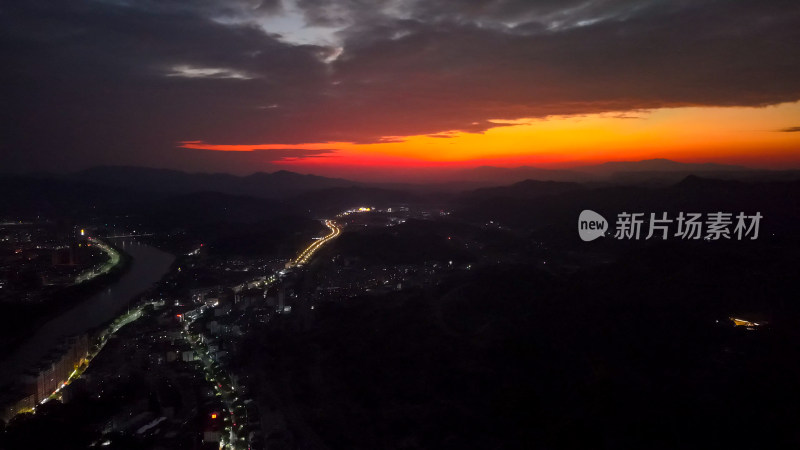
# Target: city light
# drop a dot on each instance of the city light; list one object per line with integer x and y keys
{"x": 309, "y": 251}
{"x": 114, "y": 258}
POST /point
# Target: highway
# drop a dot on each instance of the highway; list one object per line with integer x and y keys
{"x": 233, "y": 419}
{"x": 309, "y": 251}
{"x": 104, "y": 268}
{"x": 235, "y": 430}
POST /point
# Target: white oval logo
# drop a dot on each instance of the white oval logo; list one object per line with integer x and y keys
{"x": 591, "y": 225}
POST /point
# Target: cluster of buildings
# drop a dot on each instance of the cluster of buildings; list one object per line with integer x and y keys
{"x": 348, "y": 277}
{"x": 183, "y": 349}
{"x": 151, "y": 382}
{"x": 264, "y": 264}
{"x": 47, "y": 377}
{"x": 35, "y": 257}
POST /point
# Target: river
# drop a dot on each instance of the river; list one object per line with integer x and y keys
{"x": 148, "y": 266}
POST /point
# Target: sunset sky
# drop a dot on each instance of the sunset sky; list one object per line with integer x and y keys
{"x": 389, "y": 89}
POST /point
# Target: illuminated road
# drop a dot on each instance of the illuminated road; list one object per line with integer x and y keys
{"x": 148, "y": 265}
{"x": 233, "y": 418}
{"x": 309, "y": 251}
{"x": 113, "y": 260}
{"x": 235, "y": 430}
{"x": 128, "y": 235}
{"x": 115, "y": 326}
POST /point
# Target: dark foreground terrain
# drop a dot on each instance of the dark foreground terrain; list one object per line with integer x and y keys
{"x": 637, "y": 354}
{"x": 477, "y": 320}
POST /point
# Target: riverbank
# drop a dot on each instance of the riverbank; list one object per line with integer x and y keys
{"x": 26, "y": 396}
{"x": 147, "y": 266}
{"x": 20, "y": 321}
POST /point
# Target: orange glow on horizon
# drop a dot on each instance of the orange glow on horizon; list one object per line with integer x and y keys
{"x": 200, "y": 145}
{"x": 734, "y": 135}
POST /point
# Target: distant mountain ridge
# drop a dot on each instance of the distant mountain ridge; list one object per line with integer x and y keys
{"x": 508, "y": 175}
{"x": 278, "y": 184}
{"x": 285, "y": 184}
{"x": 526, "y": 189}
{"x": 649, "y": 171}
{"x": 522, "y": 205}
{"x": 659, "y": 165}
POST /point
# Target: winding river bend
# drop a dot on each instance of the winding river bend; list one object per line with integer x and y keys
{"x": 148, "y": 266}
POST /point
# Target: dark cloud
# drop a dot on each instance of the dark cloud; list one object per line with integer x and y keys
{"x": 90, "y": 85}
{"x": 790, "y": 130}
{"x": 271, "y": 155}
{"x": 557, "y": 13}
{"x": 120, "y": 82}
{"x": 446, "y": 76}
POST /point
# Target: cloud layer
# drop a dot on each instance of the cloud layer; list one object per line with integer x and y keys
{"x": 122, "y": 81}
